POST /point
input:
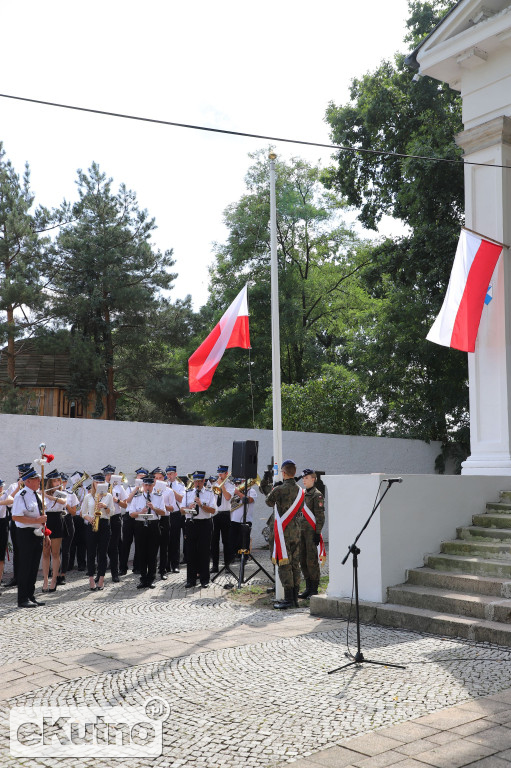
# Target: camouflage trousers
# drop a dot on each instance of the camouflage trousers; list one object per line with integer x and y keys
{"x": 309, "y": 561}
{"x": 289, "y": 574}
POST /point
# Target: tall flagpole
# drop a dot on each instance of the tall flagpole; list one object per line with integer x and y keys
{"x": 275, "y": 346}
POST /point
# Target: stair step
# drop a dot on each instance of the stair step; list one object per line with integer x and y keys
{"x": 493, "y": 549}
{"x": 417, "y": 619}
{"x": 492, "y": 520}
{"x": 461, "y": 582}
{"x": 447, "y": 601}
{"x": 480, "y": 532}
{"x": 479, "y": 565}
{"x": 498, "y": 506}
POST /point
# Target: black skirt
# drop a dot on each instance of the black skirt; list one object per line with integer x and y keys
{"x": 55, "y": 523}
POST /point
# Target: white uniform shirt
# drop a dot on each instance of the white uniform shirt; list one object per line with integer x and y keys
{"x": 3, "y": 507}
{"x": 72, "y": 500}
{"x": 118, "y": 494}
{"x": 89, "y": 504}
{"x": 207, "y": 497}
{"x": 25, "y": 504}
{"x": 140, "y": 501}
{"x": 169, "y": 500}
{"x": 225, "y": 506}
{"x": 237, "y": 515}
{"x": 177, "y": 485}
{"x": 132, "y": 504}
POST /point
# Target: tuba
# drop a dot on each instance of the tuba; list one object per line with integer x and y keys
{"x": 80, "y": 482}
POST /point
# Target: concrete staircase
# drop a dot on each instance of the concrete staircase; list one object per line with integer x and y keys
{"x": 464, "y": 591}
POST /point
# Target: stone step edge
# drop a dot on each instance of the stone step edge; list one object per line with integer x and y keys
{"x": 452, "y": 594}
{"x": 416, "y": 619}
{"x": 470, "y": 578}
{"x": 465, "y": 559}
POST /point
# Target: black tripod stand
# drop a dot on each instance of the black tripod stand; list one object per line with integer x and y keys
{"x": 359, "y": 658}
{"x": 244, "y": 551}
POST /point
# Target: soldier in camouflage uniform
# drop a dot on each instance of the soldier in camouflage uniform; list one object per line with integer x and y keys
{"x": 283, "y": 495}
{"x": 309, "y": 539}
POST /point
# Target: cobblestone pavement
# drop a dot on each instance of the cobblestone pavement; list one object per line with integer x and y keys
{"x": 248, "y": 686}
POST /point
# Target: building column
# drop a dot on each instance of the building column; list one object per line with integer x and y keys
{"x": 488, "y": 212}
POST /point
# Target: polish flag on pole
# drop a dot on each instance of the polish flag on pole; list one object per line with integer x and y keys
{"x": 458, "y": 322}
{"x": 230, "y": 331}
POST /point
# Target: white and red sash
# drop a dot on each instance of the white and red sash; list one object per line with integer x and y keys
{"x": 311, "y": 519}
{"x": 279, "y": 526}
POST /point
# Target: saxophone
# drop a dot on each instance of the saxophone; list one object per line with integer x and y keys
{"x": 101, "y": 491}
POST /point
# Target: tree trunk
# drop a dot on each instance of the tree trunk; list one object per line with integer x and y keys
{"x": 11, "y": 364}
{"x": 111, "y": 397}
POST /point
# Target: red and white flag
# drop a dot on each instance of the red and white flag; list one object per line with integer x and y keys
{"x": 230, "y": 331}
{"x": 458, "y": 322}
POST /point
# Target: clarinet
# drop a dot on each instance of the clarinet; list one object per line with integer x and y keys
{"x": 148, "y": 499}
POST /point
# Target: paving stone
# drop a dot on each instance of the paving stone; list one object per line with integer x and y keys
{"x": 498, "y": 737}
{"x": 371, "y": 744}
{"x": 455, "y": 754}
{"x": 406, "y": 732}
{"x": 382, "y": 760}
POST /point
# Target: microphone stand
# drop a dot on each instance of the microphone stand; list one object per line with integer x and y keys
{"x": 359, "y": 657}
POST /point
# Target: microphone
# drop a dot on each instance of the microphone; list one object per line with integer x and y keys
{"x": 391, "y": 480}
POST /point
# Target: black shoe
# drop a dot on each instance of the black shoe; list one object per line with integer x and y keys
{"x": 288, "y": 601}
{"x": 61, "y": 580}
{"x": 189, "y": 585}
{"x": 141, "y": 586}
{"x": 214, "y": 570}
{"x": 11, "y": 583}
{"x": 306, "y": 592}
{"x": 123, "y": 573}
{"x": 115, "y": 579}
{"x": 163, "y": 576}
{"x": 175, "y": 570}
{"x": 205, "y": 585}
{"x": 151, "y": 586}
{"x": 36, "y": 602}
{"x": 27, "y": 604}
{"x": 52, "y": 589}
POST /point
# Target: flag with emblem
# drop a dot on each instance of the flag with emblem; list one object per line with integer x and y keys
{"x": 458, "y": 322}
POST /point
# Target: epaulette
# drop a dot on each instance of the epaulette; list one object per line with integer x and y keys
{"x": 23, "y": 492}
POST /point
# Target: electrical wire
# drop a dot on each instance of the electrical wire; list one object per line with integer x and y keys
{"x": 190, "y": 126}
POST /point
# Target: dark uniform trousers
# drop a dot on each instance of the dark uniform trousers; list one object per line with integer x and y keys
{"x": 128, "y": 534}
{"x": 13, "y": 528}
{"x": 67, "y": 540}
{"x": 198, "y": 542}
{"x": 115, "y": 543}
{"x": 97, "y": 547}
{"x": 289, "y": 573}
{"x": 176, "y": 520}
{"x": 78, "y": 545}
{"x": 147, "y": 539}
{"x": 221, "y": 527}
{"x": 30, "y": 549}
{"x": 164, "y": 523}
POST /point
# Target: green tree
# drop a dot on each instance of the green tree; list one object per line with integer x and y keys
{"x": 106, "y": 282}
{"x": 21, "y": 247}
{"x": 417, "y": 388}
{"x": 319, "y": 257}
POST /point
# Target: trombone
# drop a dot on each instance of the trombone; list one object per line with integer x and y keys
{"x": 217, "y": 488}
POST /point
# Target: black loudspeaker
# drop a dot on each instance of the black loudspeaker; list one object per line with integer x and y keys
{"x": 244, "y": 458}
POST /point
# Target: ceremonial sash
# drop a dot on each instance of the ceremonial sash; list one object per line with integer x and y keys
{"x": 311, "y": 519}
{"x": 279, "y": 526}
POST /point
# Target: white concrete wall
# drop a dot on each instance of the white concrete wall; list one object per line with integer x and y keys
{"x": 88, "y": 445}
{"x": 413, "y": 519}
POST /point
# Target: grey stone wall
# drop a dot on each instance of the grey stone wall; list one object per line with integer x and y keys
{"x": 89, "y": 445}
